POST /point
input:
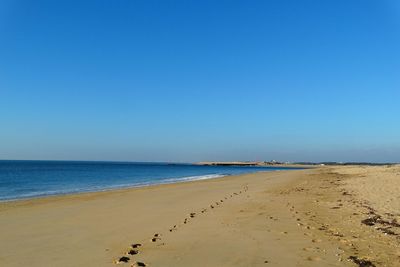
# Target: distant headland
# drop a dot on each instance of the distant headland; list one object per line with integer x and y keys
{"x": 287, "y": 164}
{"x": 244, "y": 163}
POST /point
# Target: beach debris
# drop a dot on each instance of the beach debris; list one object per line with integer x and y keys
{"x": 386, "y": 231}
{"x": 337, "y": 234}
{"x": 136, "y": 245}
{"x": 370, "y": 221}
{"x": 377, "y": 219}
{"x": 361, "y": 262}
{"x": 323, "y": 228}
{"x": 132, "y": 252}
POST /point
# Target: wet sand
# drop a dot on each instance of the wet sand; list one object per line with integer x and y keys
{"x": 314, "y": 217}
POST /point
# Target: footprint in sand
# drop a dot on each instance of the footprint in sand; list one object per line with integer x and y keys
{"x": 136, "y": 245}
{"x": 316, "y": 240}
{"x": 132, "y": 252}
{"x": 272, "y": 218}
{"x": 138, "y": 264}
{"x": 122, "y": 260}
{"x": 311, "y": 258}
{"x": 311, "y": 249}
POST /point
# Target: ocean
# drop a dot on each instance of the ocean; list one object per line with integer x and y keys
{"x": 32, "y": 179}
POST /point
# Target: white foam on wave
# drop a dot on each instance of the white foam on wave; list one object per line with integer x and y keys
{"x": 193, "y": 178}
{"x": 109, "y": 187}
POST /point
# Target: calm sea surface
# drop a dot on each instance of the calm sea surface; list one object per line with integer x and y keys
{"x": 30, "y": 179}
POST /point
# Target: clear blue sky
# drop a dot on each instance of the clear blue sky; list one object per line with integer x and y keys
{"x": 186, "y": 80}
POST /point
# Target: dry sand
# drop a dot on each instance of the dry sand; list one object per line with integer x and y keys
{"x": 331, "y": 216}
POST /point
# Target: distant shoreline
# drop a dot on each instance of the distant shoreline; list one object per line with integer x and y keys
{"x": 257, "y": 164}
{"x": 289, "y": 164}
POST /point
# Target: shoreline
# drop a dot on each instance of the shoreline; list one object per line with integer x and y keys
{"x": 125, "y": 189}
{"x": 139, "y": 185}
{"x": 109, "y": 189}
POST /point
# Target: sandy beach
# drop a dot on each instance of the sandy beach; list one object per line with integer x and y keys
{"x": 328, "y": 216}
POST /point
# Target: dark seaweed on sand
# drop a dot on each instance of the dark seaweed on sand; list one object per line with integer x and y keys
{"x": 361, "y": 262}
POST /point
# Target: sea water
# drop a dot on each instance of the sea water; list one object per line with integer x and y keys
{"x": 31, "y": 179}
